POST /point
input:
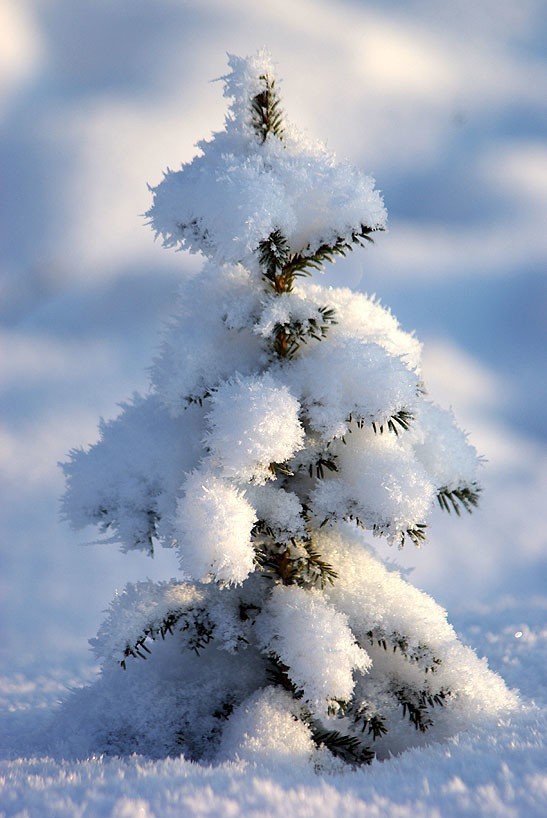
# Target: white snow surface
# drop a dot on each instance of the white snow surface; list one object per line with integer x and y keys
{"x": 138, "y": 464}
{"x": 280, "y": 508}
{"x": 452, "y": 460}
{"x": 140, "y": 606}
{"x": 179, "y": 373}
{"x": 486, "y": 772}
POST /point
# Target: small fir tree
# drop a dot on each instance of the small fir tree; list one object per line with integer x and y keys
{"x": 286, "y": 424}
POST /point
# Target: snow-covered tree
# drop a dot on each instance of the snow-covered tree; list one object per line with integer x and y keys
{"x": 287, "y": 424}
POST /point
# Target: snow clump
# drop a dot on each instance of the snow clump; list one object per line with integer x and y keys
{"x": 213, "y": 524}
{"x": 253, "y": 423}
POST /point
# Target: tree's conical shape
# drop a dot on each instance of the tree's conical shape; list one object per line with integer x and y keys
{"x": 287, "y": 424}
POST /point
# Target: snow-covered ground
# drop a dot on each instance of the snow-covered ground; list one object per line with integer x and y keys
{"x": 445, "y": 104}
{"x": 484, "y": 773}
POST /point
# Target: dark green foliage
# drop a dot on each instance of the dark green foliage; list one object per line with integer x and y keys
{"x": 454, "y": 499}
{"x": 280, "y": 267}
{"x": 417, "y": 535}
{"x": 400, "y": 420}
{"x": 296, "y": 562}
{"x": 303, "y": 264}
{"x": 198, "y": 628}
{"x": 417, "y": 705}
{"x": 266, "y": 114}
{"x": 262, "y": 529}
{"x": 361, "y": 716}
{"x": 194, "y": 622}
{"x": 324, "y": 461}
{"x": 288, "y": 338}
{"x": 278, "y": 674}
{"x": 274, "y": 255}
{"x": 420, "y": 654}
{"x": 281, "y": 468}
{"x": 348, "y": 748}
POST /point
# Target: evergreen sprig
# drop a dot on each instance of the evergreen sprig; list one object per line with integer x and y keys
{"x": 195, "y": 623}
{"x": 324, "y": 461}
{"x": 280, "y": 267}
{"x": 416, "y": 534}
{"x": 277, "y": 674}
{"x": 281, "y": 468}
{"x": 417, "y": 705}
{"x": 287, "y": 338}
{"x": 348, "y": 748}
{"x": 303, "y": 264}
{"x": 297, "y": 562}
{"x": 400, "y": 420}
{"x": 463, "y": 496}
{"x": 266, "y": 113}
{"x": 361, "y": 715}
{"x": 420, "y": 654}
{"x": 274, "y": 256}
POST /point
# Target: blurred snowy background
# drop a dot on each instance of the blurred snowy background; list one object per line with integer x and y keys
{"x": 444, "y": 103}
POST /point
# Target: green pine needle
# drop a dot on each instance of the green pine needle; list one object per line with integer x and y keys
{"x": 417, "y": 705}
{"x": 400, "y": 420}
{"x": 195, "y": 623}
{"x": 287, "y": 338}
{"x": 348, "y": 748}
{"x": 280, "y": 268}
{"x": 466, "y": 497}
{"x": 324, "y": 461}
{"x": 420, "y": 655}
{"x": 297, "y": 562}
{"x": 266, "y": 114}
